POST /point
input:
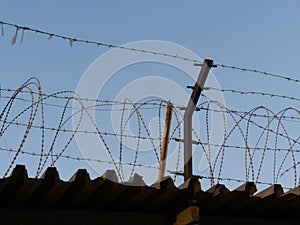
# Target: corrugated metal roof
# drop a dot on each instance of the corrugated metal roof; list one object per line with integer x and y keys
{"x": 81, "y": 193}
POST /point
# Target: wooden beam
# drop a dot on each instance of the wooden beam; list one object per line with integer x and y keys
{"x": 188, "y": 216}
{"x": 164, "y": 147}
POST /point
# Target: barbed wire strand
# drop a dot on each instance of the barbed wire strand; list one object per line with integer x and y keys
{"x": 72, "y": 40}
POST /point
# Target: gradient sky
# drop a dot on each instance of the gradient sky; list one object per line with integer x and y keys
{"x": 256, "y": 34}
{"x": 262, "y": 34}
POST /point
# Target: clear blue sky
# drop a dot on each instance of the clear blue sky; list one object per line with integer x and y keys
{"x": 257, "y": 34}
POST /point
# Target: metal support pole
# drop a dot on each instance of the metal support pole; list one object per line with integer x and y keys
{"x": 188, "y": 115}
{"x": 164, "y": 147}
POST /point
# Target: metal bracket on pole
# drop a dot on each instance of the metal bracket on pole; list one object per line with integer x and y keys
{"x": 188, "y": 115}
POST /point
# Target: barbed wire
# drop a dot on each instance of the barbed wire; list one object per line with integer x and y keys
{"x": 154, "y": 105}
{"x": 73, "y": 40}
{"x": 242, "y": 122}
{"x": 114, "y": 134}
{"x": 95, "y": 106}
{"x": 33, "y": 114}
{"x": 249, "y": 114}
{"x": 76, "y": 158}
{"x": 266, "y": 130}
{"x": 255, "y": 93}
{"x": 226, "y": 179}
{"x": 176, "y": 173}
{"x": 114, "y": 102}
{"x": 240, "y": 113}
{"x": 259, "y": 72}
{"x": 228, "y": 146}
{"x": 75, "y": 97}
{"x": 106, "y": 133}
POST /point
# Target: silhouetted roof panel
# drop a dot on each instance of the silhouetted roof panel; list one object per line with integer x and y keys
{"x": 18, "y": 191}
